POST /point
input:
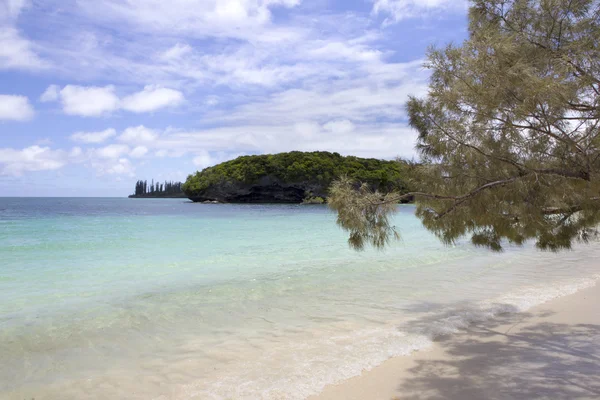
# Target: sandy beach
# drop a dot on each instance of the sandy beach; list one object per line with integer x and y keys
{"x": 550, "y": 352}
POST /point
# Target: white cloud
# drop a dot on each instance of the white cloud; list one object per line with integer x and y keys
{"x": 121, "y": 167}
{"x": 211, "y": 146}
{"x": 242, "y": 44}
{"x": 91, "y": 101}
{"x": 340, "y": 126}
{"x": 93, "y": 137}
{"x": 220, "y": 18}
{"x": 12, "y": 8}
{"x": 112, "y": 166}
{"x": 402, "y": 9}
{"x": 50, "y": 94}
{"x": 35, "y": 158}
{"x": 211, "y": 101}
{"x": 303, "y": 81}
{"x": 108, "y": 160}
{"x": 75, "y": 153}
{"x": 94, "y": 101}
{"x": 138, "y": 152}
{"x": 152, "y": 98}
{"x": 202, "y": 160}
{"x": 137, "y": 135}
{"x": 344, "y": 50}
{"x": 306, "y": 130}
{"x": 112, "y": 151}
{"x": 16, "y": 51}
{"x": 380, "y": 94}
{"x": 15, "y": 108}
{"x": 363, "y": 115}
{"x": 176, "y": 52}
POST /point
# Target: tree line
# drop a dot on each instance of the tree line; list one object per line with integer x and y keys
{"x": 317, "y": 169}
{"x": 158, "y": 188}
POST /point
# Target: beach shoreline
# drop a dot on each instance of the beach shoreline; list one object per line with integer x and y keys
{"x": 551, "y": 351}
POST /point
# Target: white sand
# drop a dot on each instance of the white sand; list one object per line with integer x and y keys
{"x": 550, "y": 352}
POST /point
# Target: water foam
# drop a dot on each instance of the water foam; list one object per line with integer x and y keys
{"x": 313, "y": 364}
{"x": 453, "y": 320}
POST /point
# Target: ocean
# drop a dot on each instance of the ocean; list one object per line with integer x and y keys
{"x": 104, "y": 298}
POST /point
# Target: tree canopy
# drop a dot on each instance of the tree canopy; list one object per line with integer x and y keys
{"x": 308, "y": 169}
{"x": 508, "y": 133}
{"x": 166, "y": 189}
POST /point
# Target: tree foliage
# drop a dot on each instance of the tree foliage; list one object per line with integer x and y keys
{"x": 319, "y": 167}
{"x": 508, "y": 133}
{"x": 166, "y": 189}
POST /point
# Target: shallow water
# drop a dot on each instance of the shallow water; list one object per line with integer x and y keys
{"x": 142, "y": 298}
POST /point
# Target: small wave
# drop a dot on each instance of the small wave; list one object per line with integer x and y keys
{"x": 302, "y": 369}
{"x": 453, "y": 319}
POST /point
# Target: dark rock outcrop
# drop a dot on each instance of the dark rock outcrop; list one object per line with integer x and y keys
{"x": 267, "y": 189}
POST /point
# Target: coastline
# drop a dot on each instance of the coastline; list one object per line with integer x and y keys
{"x": 238, "y": 301}
{"x": 549, "y": 351}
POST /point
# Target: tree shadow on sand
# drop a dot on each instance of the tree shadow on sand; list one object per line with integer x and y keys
{"x": 541, "y": 360}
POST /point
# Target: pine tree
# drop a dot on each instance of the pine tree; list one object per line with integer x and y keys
{"x": 509, "y": 138}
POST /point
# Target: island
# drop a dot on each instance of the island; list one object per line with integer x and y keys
{"x": 293, "y": 177}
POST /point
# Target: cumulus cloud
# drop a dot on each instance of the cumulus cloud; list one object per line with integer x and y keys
{"x": 152, "y": 98}
{"x": 267, "y": 84}
{"x": 204, "y": 159}
{"x": 121, "y": 167}
{"x": 113, "y": 166}
{"x": 108, "y": 160}
{"x": 138, "y": 152}
{"x": 50, "y": 94}
{"x": 15, "y": 108}
{"x": 93, "y": 137}
{"x": 112, "y": 151}
{"x": 138, "y": 134}
{"x": 211, "y": 146}
{"x": 91, "y": 101}
{"x": 95, "y": 101}
{"x": 75, "y": 153}
{"x": 17, "y": 52}
{"x": 35, "y": 158}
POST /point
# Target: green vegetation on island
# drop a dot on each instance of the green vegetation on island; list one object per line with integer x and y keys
{"x": 165, "y": 189}
{"x": 509, "y": 133}
{"x": 292, "y": 177}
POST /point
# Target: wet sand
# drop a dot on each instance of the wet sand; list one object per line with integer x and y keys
{"x": 550, "y": 352}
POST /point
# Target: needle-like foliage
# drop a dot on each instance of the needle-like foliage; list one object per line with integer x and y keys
{"x": 509, "y": 134}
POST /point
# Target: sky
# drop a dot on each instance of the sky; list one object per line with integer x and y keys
{"x": 95, "y": 94}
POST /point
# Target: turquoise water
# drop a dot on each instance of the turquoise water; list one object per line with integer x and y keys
{"x": 142, "y": 298}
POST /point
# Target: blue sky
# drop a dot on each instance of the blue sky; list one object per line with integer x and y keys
{"x": 95, "y": 94}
